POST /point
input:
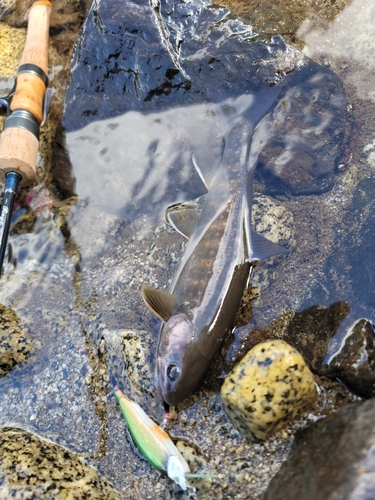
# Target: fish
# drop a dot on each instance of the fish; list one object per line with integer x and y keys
{"x": 200, "y": 309}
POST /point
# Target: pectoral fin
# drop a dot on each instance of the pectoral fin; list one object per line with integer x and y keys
{"x": 260, "y": 248}
{"x": 161, "y": 303}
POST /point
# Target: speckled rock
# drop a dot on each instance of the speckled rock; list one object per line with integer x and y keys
{"x": 273, "y": 221}
{"x": 331, "y": 459}
{"x": 31, "y": 467}
{"x": 267, "y": 389}
{"x": 14, "y": 341}
{"x": 12, "y": 41}
{"x": 354, "y": 363}
{"x": 136, "y": 348}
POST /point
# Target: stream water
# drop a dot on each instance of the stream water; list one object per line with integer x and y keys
{"x": 141, "y": 99}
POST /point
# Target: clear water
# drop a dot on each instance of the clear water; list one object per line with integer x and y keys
{"x": 77, "y": 265}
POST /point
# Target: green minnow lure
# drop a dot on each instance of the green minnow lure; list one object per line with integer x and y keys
{"x": 154, "y": 443}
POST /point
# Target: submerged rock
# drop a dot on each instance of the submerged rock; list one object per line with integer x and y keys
{"x": 332, "y": 459}
{"x": 310, "y": 331}
{"x": 31, "y": 467}
{"x": 354, "y": 364}
{"x": 15, "y": 344}
{"x": 267, "y": 389}
{"x": 150, "y": 60}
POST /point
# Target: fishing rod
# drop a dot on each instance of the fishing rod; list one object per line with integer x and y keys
{"x": 24, "y": 108}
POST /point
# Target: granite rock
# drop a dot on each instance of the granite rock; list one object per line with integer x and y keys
{"x": 31, "y": 467}
{"x": 15, "y": 342}
{"x": 267, "y": 389}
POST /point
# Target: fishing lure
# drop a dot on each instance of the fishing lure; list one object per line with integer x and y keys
{"x": 154, "y": 443}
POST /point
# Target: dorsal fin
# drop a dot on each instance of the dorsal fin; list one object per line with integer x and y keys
{"x": 183, "y": 219}
{"x": 161, "y": 303}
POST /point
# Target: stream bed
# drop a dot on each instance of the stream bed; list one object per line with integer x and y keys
{"x": 135, "y": 86}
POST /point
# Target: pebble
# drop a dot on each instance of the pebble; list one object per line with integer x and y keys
{"x": 267, "y": 389}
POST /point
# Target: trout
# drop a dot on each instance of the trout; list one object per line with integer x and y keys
{"x": 200, "y": 309}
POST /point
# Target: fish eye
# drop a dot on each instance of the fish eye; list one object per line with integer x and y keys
{"x": 173, "y": 372}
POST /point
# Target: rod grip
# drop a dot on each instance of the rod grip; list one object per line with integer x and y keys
{"x": 30, "y": 89}
{"x": 18, "y": 143}
{"x": 18, "y": 153}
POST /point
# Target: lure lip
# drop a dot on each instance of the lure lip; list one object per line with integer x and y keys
{"x": 176, "y": 472}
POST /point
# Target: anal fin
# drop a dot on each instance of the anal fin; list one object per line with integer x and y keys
{"x": 260, "y": 248}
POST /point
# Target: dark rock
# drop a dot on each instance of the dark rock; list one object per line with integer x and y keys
{"x": 354, "y": 364}
{"x": 332, "y": 459}
{"x": 349, "y": 276}
{"x": 311, "y": 330}
{"x": 148, "y": 60}
{"x": 307, "y": 135}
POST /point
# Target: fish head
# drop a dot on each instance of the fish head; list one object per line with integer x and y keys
{"x": 180, "y": 364}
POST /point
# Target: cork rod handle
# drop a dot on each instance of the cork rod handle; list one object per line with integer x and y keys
{"x": 18, "y": 146}
{"x": 30, "y": 88}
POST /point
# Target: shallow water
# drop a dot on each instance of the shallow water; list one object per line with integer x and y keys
{"x": 77, "y": 263}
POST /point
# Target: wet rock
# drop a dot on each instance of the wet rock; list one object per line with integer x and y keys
{"x": 31, "y": 467}
{"x": 331, "y": 459}
{"x": 273, "y": 221}
{"x": 349, "y": 276}
{"x": 349, "y": 273}
{"x": 310, "y": 331}
{"x": 137, "y": 352}
{"x": 354, "y": 364}
{"x": 305, "y": 134}
{"x": 267, "y": 389}
{"x": 15, "y": 344}
{"x": 116, "y": 71}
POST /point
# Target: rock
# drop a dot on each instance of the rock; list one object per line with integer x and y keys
{"x": 14, "y": 342}
{"x": 354, "y": 363}
{"x": 310, "y": 331}
{"x": 12, "y": 41}
{"x": 31, "y": 467}
{"x": 107, "y": 82}
{"x": 267, "y": 389}
{"x": 331, "y": 459}
{"x": 137, "y": 348}
{"x": 293, "y": 159}
{"x": 349, "y": 277}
